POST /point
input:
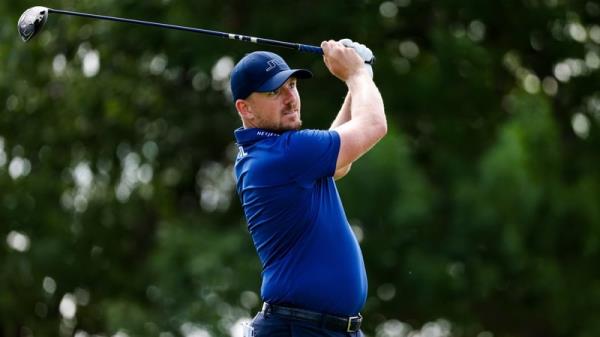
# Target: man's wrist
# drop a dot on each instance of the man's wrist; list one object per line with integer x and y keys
{"x": 361, "y": 74}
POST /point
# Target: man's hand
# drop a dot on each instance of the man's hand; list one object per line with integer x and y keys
{"x": 363, "y": 51}
{"x": 344, "y": 63}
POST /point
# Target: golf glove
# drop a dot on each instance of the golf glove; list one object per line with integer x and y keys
{"x": 365, "y": 53}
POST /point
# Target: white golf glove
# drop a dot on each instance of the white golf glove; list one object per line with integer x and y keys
{"x": 365, "y": 53}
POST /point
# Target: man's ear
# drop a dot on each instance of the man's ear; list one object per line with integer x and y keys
{"x": 244, "y": 109}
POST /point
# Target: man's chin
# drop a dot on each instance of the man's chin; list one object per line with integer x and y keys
{"x": 290, "y": 126}
{"x": 296, "y": 125}
{"x": 296, "y": 122}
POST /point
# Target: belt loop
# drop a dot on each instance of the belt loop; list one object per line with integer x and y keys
{"x": 266, "y": 309}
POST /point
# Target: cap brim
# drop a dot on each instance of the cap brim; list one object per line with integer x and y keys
{"x": 279, "y": 79}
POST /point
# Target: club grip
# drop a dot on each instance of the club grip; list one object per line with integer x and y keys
{"x": 310, "y": 49}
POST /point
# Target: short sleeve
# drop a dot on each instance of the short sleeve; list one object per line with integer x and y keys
{"x": 311, "y": 154}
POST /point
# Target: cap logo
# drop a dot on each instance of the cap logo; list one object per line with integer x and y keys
{"x": 274, "y": 63}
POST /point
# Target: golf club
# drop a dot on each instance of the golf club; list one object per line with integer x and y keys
{"x": 33, "y": 20}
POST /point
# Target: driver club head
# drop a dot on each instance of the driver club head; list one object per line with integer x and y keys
{"x": 32, "y": 21}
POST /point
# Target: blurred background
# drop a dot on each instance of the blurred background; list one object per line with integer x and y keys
{"x": 478, "y": 214}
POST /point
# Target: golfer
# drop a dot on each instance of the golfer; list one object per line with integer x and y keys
{"x": 313, "y": 281}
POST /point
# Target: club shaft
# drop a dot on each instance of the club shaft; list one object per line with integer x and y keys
{"x": 276, "y": 43}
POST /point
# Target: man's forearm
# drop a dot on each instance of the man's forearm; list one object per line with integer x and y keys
{"x": 344, "y": 114}
{"x": 367, "y": 103}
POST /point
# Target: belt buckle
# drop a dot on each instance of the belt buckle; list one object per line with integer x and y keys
{"x": 350, "y": 320}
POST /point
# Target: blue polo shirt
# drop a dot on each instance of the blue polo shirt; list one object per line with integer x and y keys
{"x": 310, "y": 256}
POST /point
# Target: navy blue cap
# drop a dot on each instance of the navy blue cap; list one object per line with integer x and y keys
{"x": 261, "y": 71}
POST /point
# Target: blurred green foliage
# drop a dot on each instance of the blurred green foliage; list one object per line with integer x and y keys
{"x": 478, "y": 213}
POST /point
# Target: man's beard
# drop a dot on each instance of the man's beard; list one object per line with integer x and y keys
{"x": 281, "y": 126}
{"x": 296, "y": 126}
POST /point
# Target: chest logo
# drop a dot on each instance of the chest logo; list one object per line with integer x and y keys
{"x": 241, "y": 153}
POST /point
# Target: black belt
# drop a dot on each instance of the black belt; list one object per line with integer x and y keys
{"x": 338, "y": 323}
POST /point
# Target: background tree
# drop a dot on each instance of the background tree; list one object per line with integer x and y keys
{"x": 478, "y": 214}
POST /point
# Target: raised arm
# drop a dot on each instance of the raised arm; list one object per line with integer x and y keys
{"x": 367, "y": 123}
{"x": 344, "y": 114}
{"x": 342, "y": 117}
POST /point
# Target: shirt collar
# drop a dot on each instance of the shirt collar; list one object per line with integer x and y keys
{"x": 252, "y": 135}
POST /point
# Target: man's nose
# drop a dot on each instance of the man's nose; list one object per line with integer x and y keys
{"x": 288, "y": 94}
